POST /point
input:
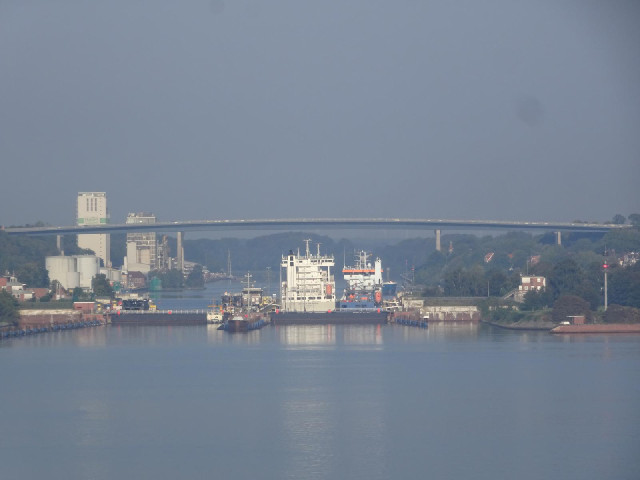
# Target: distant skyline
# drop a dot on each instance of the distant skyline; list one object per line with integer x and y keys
{"x": 223, "y": 109}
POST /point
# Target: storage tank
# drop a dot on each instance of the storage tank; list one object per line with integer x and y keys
{"x": 88, "y": 267}
{"x": 112, "y": 274}
{"x": 72, "y": 280}
{"x": 59, "y": 267}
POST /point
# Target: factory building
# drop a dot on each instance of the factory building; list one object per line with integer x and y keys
{"x": 92, "y": 210}
{"x": 142, "y": 248}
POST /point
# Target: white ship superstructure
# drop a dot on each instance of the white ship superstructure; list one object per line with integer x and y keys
{"x": 308, "y": 284}
{"x": 363, "y": 277}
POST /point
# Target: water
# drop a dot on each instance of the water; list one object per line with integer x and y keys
{"x": 319, "y": 402}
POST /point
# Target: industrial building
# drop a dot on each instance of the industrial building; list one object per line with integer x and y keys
{"x": 92, "y": 210}
{"x": 73, "y": 271}
{"x": 142, "y": 247}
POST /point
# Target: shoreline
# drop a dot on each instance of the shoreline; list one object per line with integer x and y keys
{"x": 527, "y": 326}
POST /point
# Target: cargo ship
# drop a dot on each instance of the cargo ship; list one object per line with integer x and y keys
{"x": 364, "y": 283}
{"x": 307, "y": 292}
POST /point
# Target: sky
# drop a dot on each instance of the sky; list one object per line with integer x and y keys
{"x": 229, "y": 109}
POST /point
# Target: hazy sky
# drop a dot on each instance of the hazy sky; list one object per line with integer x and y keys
{"x": 272, "y": 109}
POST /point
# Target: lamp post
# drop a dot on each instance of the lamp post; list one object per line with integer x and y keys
{"x": 605, "y": 267}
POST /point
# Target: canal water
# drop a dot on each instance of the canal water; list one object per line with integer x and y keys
{"x": 319, "y": 402}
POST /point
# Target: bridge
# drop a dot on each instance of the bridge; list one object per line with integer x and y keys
{"x": 315, "y": 223}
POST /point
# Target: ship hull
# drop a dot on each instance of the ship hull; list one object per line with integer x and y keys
{"x": 245, "y": 324}
{"x": 347, "y": 317}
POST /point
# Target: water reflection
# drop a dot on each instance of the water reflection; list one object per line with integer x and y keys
{"x": 92, "y": 337}
{"x": 365, "y": 335}
{"x": 328, "y": 336}
{"x": 307, "y": 336}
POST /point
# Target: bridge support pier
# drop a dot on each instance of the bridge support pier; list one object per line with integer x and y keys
{"x": 558, "y": 238}
{"x": 180, "y": 253}
{"x": 438, "y": 245}
{"x": 59, "y": 244}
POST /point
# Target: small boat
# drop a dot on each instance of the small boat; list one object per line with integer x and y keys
{"x": 214, "y": 315}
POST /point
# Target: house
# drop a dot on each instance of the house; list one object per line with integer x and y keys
{"x": 136, "y": 280}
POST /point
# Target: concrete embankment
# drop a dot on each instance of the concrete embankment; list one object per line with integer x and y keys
{"x": 598, "y": 328}
{"x": 159, "y": 318}
{"x": 47, "y": 318}
{"x": 525, "y": 325}
{"x": 450, "y": 313}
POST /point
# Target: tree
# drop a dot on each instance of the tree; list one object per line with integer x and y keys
{"x": 624, "y": 285}
{"x": 565, "y": 277}
{"x": 195, "y": 278}
{"x": 620, "y": 314}
{"x": 634, "y": 219}
{"x": 101, "y": 287}
{"x": 537, "y": 300}
{"x": 46, "y": 298}
{"x": 619, "y": 219}
{"x": 79, "y": 295}
{"x": 169, "y": 279}
{"x": 8, "y": 307}
{"x": 568, "y": 306}
{"x": 33, "y": 275}
{"x": 497, "y": 282}
{"x": 460, "y": 282}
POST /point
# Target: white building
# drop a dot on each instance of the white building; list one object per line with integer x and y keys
{"x": 142, "y": 247}
{"x": 529, "y": 282}
{"x": 73, "y": 271}
{"x": 92, "y": 210}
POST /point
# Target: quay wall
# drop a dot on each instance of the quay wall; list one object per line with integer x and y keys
{"x": 47, "y": 318}
{"x": 159, "y": 318}
{"x": 448, "y": 313}
{"x": 445, "y": 309}
{"x": 598, "y": 328}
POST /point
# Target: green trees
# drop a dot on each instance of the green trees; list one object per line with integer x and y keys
{"x": 619, "y": 219}
{"x": 620, "y": 314}
{"x": 101, "y": 287}
{"x": 624, "y": 286}
{"x": 24, "y": 256}
{"x": 33, "y": 274}
{"x": 195, "y": 278}
{"x": 8, "y": 307}
{"x": 461, "y": 282}
{"x": 537, "y": 300}
{"x": 170, "y": 279}
{"x": 567, "y": 306}
{"x": 567, "y": 278}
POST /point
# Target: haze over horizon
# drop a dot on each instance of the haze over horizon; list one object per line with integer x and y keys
{"x": 222, "y": 109}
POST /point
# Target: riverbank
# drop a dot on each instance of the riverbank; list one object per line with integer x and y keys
{"x": 522, "y": 325}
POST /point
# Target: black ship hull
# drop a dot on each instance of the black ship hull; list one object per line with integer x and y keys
{"x": 339, "y": 317}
